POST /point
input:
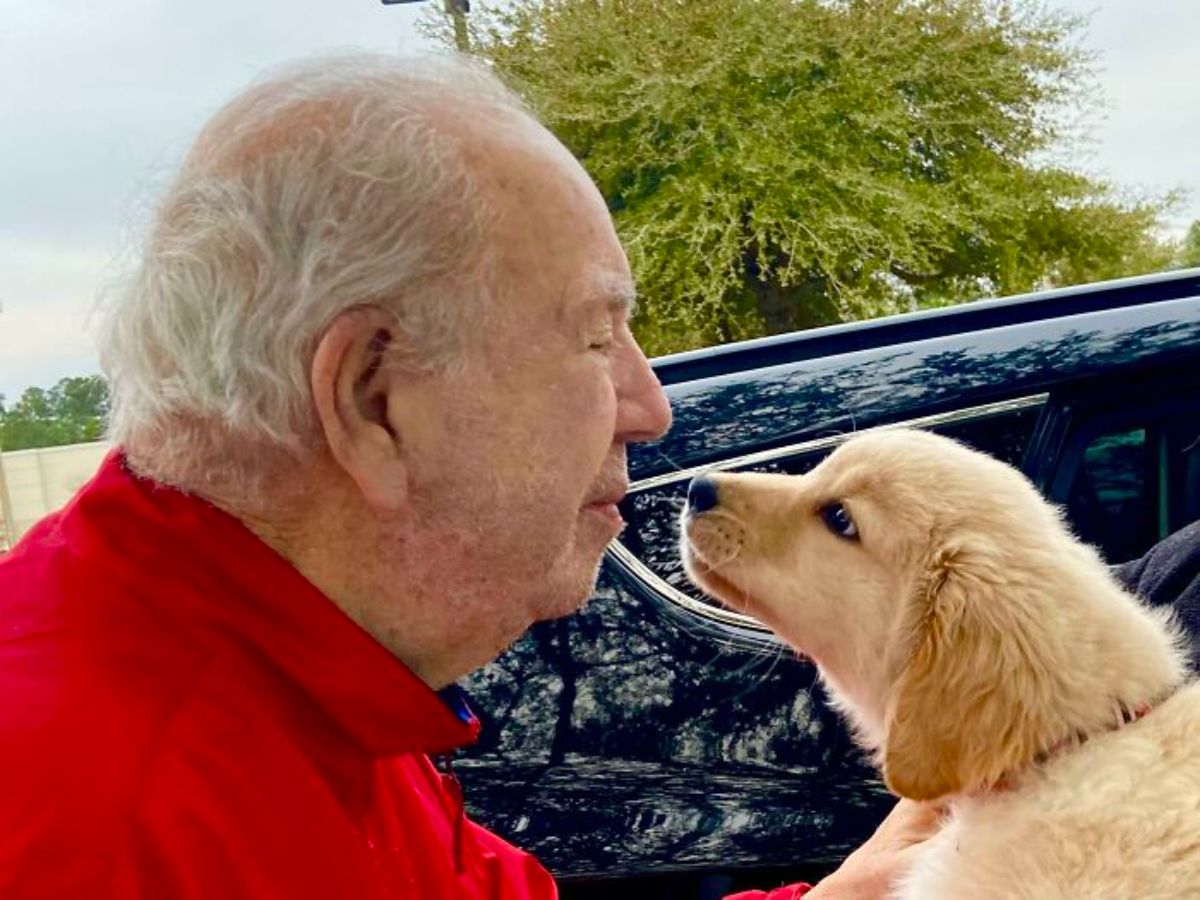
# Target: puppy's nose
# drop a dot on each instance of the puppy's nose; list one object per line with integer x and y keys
{"x": 702, "y": 495}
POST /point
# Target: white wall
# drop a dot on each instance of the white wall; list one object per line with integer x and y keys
{"x": 40, "y": 481}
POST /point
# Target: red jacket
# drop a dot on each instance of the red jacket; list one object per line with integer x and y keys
{"x": 183, "y": 715}
{"x": 791, "y": 892}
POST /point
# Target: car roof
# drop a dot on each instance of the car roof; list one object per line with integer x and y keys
{"x": 778, "y": 391}
{"x": 906, "y": 327}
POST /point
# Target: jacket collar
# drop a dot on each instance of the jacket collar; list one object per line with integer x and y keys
{"x": 206, "y": 570}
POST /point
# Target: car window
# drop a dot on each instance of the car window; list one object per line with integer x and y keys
{"x": 1184, "y": 474}
{"x": 1136, "y": 484}
{"x": 1110, "y": 504}
{"x": 1004, "y": 435}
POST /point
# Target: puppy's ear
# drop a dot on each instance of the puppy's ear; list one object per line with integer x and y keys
{"x": 964, "y": 709}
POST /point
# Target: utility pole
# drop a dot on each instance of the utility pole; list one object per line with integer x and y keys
{"x": 457, "y": 10}
{"x": 7, "y": 525}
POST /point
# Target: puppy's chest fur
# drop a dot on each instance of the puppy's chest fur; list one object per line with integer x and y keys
{"x": 1118, "y": 816}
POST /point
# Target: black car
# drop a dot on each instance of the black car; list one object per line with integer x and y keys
{"x": 660, "y": 746}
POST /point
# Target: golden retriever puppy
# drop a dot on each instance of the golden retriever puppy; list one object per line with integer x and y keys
{"x": 983, "y": 655}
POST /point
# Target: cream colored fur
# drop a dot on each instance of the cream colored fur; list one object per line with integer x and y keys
{"x": 971, "y": 640}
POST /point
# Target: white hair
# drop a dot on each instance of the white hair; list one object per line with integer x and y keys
{"x": 329, "y": 184}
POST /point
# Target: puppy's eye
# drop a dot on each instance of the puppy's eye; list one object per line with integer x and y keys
{"x": 838, "y": 520}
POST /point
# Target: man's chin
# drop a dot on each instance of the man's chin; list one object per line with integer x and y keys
{"x": 571, "y": 596}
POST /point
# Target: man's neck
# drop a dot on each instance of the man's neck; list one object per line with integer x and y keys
{"x": 394, "y": 601}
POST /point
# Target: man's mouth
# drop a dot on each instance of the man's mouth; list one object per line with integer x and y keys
{"x": 609, "y": 498}
{"x": 608, "y": 507}
{"x": 607, "y": 491}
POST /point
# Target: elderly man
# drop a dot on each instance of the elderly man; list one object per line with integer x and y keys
{"x": 373, "y": 386}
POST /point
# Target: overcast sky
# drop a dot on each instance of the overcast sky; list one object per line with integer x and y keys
{"x": 99, "y": 101}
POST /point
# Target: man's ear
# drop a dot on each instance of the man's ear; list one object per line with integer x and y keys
{"x": 350, "y": 385}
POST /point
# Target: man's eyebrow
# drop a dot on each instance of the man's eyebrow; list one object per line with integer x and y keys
{"x": 623, "y": 300}
{"x": 616, "y": 292}
{"x": 601, "y": 289}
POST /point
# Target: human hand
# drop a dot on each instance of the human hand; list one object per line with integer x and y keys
{"x": 872, "y": 871}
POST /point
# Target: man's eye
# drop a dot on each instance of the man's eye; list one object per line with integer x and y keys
{"x": 838, "y": 521}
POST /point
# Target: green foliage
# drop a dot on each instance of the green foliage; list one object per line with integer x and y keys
{"x": 71, "y": 412}
{"x": 1189, "y": 250}
{"x": 778, "y": 164}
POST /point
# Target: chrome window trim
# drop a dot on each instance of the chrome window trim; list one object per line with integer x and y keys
{"x": 639, "y": 570}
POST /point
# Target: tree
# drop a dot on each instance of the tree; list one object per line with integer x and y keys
{"x": 73, "y": 411}
{"x": 777, "y": 164}
{"x": 1189, "y": 250}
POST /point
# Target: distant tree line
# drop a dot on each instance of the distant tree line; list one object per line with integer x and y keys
{"x": 1189, "y": 247}
{"x": 74, "y": 411}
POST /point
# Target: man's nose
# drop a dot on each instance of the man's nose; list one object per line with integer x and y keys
{"x": 643, "y": 411}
